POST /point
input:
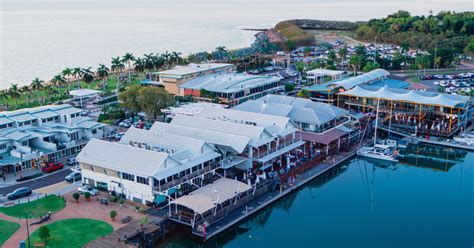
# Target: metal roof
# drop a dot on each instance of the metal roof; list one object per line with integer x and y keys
{"x": 361, "y": 79}
{"x": 229, "y": 82}
{"x": 192, "y": 68}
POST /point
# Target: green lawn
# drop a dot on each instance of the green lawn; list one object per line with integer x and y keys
{"x": 30, "y": 99}
{"x": 36, "y": 208}
{"x": 74, "y": 232}
{"x": 7, "y": 229}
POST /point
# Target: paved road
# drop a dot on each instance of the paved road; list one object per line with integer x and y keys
{"x": 38, "y": 183}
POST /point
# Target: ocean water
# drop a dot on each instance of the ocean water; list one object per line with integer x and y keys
{"x": 41, "y": 37}
{"x": 424, "y": 201}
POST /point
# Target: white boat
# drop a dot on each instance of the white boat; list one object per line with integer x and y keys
{"x": 465, "y": 140}
{"x": 378, "y": 151}
{"x": 375, "y": 152}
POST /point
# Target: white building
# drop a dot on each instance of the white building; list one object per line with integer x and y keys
{"x": 31, "y": 136}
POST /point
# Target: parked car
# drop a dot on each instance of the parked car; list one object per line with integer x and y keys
{"x": 125, "y": 123}
{"x": 20, "y": 192}
{"x": 73, "y": 177}
{"x": 118, "y": 136}
{"x": 116, "y": 122}
{"x": 71, "y": 161}
{"x": 50, "y": 167}
{"x": 89, "y": 189}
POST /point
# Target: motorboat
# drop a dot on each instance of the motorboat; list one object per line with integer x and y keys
{"x": 465, "y": 139}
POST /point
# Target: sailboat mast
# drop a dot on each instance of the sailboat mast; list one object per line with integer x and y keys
{"x": 377, "y": 119}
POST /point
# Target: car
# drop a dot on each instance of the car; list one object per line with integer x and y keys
{"x": 118, "y": 136}
{"x": 126, "y": 123}
{"x": 89, "y": 189}
{"x": 116, "y": 122}
{"x": 50, "y": 167}
{"x": 20, "y": 192}
{"x": 73, "y": 177}
{"x": 71, "y": 161}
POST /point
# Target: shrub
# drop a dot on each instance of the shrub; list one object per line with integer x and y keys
{"x": 76, "y": 196}
{"x": 121, "y": 201}
{"x": 87, "y": 195}
{"x": 113, "y": 199}
{"x": 113, "y": 214}
{"x": 43, "y": 233}
{"x": 143, "y": 220}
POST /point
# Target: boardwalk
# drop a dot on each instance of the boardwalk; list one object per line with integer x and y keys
{"x": 266, "y": 199}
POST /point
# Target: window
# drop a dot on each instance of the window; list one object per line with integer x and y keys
{"x": 3, "y": 146}
{"x": 127, "y": 176}
{"x": 94, "y": 131}
{"x": 142, "y": 180}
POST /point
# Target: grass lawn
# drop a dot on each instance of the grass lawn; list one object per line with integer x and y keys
{"x": 36, "y": 208}
{"x": 7, "y": 229}
{"x": 74, "y": 232}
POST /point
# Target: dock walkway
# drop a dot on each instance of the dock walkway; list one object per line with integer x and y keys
{"x": 266, "y": 199}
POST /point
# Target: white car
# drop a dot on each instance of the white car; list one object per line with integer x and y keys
{"x": 89, "y": 189}
{"x": 71, "y": 161}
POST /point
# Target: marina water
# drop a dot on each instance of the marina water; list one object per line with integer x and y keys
{"x": 426, "y": 200}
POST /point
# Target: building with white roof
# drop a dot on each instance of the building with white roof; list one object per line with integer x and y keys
{"x": 231, "y": 88}
{"x": 173, "y": 78}
{"x": 145, "y": 165}
{"x": 29, "y": 137}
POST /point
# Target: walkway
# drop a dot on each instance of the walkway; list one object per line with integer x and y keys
{"x": 83, "y": 209}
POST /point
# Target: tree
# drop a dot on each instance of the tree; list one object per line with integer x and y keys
{"x": 303, "y": 93}
{"x": 128, "y": 58}
{"x": 289, "y": 87}
{"x": 87, "y": 196}
{"x": 166, "y": 56}
{"x": 37, "y": 85}
{"x": 44, "y": 233}
{"x": 370, "y": 66}
{"x": 331, "y": 55}
{"x": 139, "y": 65}
{"x": 67, "y": 73}
{"x": 103, "y": 73}
{"x": 355, "y": 61}
{"x": 113, "y": 214}
{"x": 153, "y": 99}
{"x": 342, "y": 54}
{"x": 50, "y": 91}
{"x": 117, "y": 67}
{"x": 58, "y": 80}
{"x": 77, "y": 74}
{"x": 176, "y": 58}
{"x": 14, "y": 93}
{"x": 300, "y": 67}
{"x": 4, "y": 96}
{"x": 76, "y": 196}
{"x": 129, "y": 99}
{"x": 87, "y": 75}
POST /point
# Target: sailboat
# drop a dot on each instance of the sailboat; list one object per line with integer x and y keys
{"x": 377, "y": 151}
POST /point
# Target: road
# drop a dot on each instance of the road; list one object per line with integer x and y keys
{"x": 38, "y": 183}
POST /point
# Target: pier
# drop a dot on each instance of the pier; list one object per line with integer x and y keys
{"x": 268, "y": 198}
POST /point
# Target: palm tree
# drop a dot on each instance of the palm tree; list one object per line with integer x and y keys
{"x": 342, "y": 53}
{"x": 14, "y": 93}
{"x": 176, "y": 58}
{"x": 139, "y": 65}
{"x": 128, "y": 58}
{"x": 77, "y": 74}
{"x": 87, "y": 75}
{"x": 117, "y": 67}
{"x": 166, "y": 58}
{"x": 67, "y": 72}
{"x": 58, "y": 80}
{"x": 103, "y": 73}
{"x": 25, "y": 90}
{"x": 4, "y": 97}
{"x": 50, "y": 91}
{"x": 37, "y": 85}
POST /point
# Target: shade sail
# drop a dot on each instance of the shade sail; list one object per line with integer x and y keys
{"x": 206, "y": 197}
{"x": 413, "y": 96}
{"x": 324, "y": 138}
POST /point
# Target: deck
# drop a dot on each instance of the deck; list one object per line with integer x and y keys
{"x": 266, "y": 199}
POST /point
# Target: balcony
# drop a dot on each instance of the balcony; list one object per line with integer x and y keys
{"x": 186, "y": 178}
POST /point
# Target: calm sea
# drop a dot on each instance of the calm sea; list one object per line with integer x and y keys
{"x": 41, "y": 37}
{"x": 425, "y": 201}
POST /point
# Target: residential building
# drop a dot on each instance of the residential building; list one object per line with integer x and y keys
{"x": 29, "y": 137}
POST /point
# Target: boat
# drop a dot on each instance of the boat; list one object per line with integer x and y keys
{"x": 378, "y": 151}
{"x": 465, "y": 139}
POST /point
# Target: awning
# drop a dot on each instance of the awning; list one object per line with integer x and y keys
{"x": 324, "y": 138}
{"x": 206, "y": 198}
{"x": 280, "y": 152}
